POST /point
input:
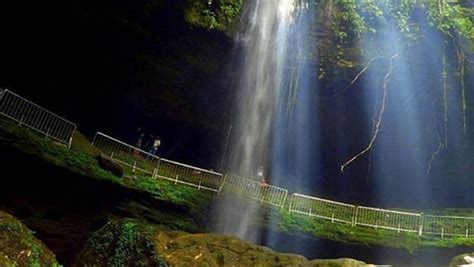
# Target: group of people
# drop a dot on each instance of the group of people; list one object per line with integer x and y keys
{"x": 148, "y": 142}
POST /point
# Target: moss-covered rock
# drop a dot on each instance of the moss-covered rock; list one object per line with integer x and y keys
{"x": 124, "y": 242}
{"x": 18, "y": 246}
{"x": 108, "y": 164}
{"x": 459, "y": 260}
{"x": 121, "y": 243}
{"x": 220, "y": 250}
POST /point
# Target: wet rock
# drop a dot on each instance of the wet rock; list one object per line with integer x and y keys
{"x": 18, "y": 246}
{"x": 121, "y": 243}
{"x": 463, "y": 259}
{"x": 151, "y": 246}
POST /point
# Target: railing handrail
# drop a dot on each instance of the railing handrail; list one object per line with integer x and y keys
{"x": 258, "y": 182}
{"x": 325, "y": 200}
{"x": 390, "y": 211}
{"x": 277, "y": 190}
{"x": 447, "y": 216}
{"x": 38, "y": 106}
{"x": 156, "y": 157}
{"x": 125, "y": 144}
{"x": 192, "y": 167}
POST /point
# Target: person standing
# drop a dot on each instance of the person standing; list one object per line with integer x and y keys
{"x": 156, "y": 146}
{"x": 140, "y": 136}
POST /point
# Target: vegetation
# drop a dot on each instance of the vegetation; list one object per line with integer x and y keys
{"x": 346, "y": 233}
{"x": 81, "y": 159}
{"x": 18, "y": 246}
{"x": 213, "y": 14}
{"x": 126, "y": 241}
{"x": 121, "y": 243}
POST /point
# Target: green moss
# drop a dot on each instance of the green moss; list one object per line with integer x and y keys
{"x": 81, "y": 159}
{"x": 346, "y": 233}
{"x": 121, "y": 243}
{"x": 18, "y": 246}
{"x": 459, "y": 260}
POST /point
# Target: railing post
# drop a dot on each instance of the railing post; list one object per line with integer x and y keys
{"x": 93, "y": 140}
{"x": 199, "y": 186}
{"x": 176, "y": 180}
{"x": 158, "y": 168}
{"x": 284, "y": 199}
{"x": 70, "y": 139}
{"x": 291, "y": 203}
{"x": 422, "y": 219}
{"x": 134, "y": 166}
{"x": 356, "y": 213}
{"x": 467, "y": 233}
{"x": 221, "y": 187}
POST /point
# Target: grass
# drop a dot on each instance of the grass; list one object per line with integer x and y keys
{"x": 359, "y": 235}
{"x": 82, "y": 160}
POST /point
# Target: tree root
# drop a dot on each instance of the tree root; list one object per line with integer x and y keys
{"x": 379, "y": 116}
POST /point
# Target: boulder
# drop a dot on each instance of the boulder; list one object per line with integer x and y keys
{"x": 108, "y": 164}
{"x": 128, "y": 241}
{"x": 18, "y": 246}
{"x": 121, "y": 243}
{"x": 466, "y": 259}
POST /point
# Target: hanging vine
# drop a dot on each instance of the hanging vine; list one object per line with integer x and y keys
{"x": 444, "y": 77}
{"x": 380, "y": 113}
{"x": 461, "y": 60}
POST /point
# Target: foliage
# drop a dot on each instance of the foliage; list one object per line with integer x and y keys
{"x": 452, "y": 20}
{"x": 340, "y": 26}
{"x": 213, "y": 14}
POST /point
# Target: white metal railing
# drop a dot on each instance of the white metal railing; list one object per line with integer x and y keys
{"x": 35, "y": 117}
{"x": 61, "y": 130}
{"x": 322, "y": 208}
{"x": 140, "y": 161}
{"x": 448, "y": 225}
{"x": 388, "y": 219}
{"x": 256, "y": 190}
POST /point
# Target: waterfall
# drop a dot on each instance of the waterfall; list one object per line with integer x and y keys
{"x": 267, "y": 49}
{"x": 265, "y": 46}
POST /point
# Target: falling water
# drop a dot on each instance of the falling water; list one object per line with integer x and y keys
{"x": 265, "y": 47}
